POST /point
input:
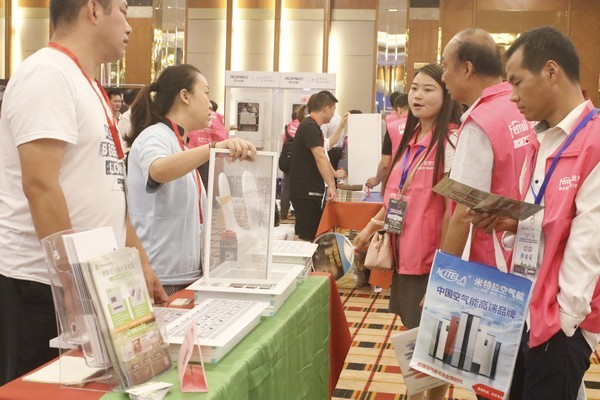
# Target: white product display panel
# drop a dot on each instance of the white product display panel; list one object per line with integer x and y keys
{"x": 220, "y": 324}
{"x": 260, "y": 103}
{"x": 275, "y": 291}
{"x": 240, "y": 218}
{"x": 364, "y": 147}
{"x": 250, "y": 109}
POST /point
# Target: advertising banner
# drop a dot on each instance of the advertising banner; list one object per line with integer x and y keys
{"x": 471, "y": 325}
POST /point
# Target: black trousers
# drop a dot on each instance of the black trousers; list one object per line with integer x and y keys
{"x": 27, "y": 323}
{"x": 552, "y": 371}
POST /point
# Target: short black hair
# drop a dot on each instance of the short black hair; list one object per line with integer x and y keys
{"x": 214, "y": 105}
{"x": 478, "y": 47}
{"x": 319, "y": 101}
{"x": 547, "y": 43}
{"x": 401, "y": 101}
{"x": 66, "y": 11}
{"x": 113, "y": 92}
{"x": 393, "y": 98}
{"x": 129, "y": 96}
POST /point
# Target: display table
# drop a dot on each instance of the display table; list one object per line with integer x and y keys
{"x": 286, "y": 356}
{"x": 353, "y": 215}
{"x": 346, "y": 214}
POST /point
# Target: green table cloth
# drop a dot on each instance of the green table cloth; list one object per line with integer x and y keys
{"x": 284, "y": 357}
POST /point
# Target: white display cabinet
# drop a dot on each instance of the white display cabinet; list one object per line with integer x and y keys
{"x": 260, "y": 103}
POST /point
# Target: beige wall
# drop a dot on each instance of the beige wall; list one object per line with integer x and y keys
{"x": 351, "y": 44}
{"x": 206, "y": 47}
{"x": 576, "y": 18}
{"x": 352, "y": 57}
{"x": 33, "y": 31}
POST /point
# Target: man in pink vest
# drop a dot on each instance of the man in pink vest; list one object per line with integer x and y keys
{"x": 492, "y": 137}
{"x": 391, "y": 140}
{"x": 563, "y": 325}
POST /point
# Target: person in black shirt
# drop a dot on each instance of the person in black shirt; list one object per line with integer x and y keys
{"x": 310, "y": 168}
{"x": 400, "y": 106}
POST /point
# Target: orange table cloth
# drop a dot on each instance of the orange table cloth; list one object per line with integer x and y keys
{"x": 353, "y": 215}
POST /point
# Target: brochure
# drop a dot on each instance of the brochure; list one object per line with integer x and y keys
{"x": 404, "y": 347}
{"x": 485, "y": 202}
{"x": 471, "y": 325}
{"x": 136, "y": 346}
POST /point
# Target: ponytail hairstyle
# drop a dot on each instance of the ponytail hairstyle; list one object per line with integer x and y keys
{"x": 154, "y": 101}
{"x": 449, "y": 114}
{"x": 300, "y": 112}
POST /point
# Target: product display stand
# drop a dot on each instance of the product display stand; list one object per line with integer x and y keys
{"x": 78, "y": 333}
{"x": 238, "y": 254}
{"x": 102, "y": 311}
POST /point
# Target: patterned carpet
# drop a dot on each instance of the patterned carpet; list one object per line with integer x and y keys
{"x": 371, "y": 371}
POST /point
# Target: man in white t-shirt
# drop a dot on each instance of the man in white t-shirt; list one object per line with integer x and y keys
{"x": 124, "y": 124}
{"x": 115, "y": 97}
{"x": 60, "y": 169}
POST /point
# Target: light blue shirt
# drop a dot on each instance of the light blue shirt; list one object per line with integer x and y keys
{"x": 165, "y": 216}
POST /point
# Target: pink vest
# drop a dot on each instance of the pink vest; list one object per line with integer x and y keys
{"x": 395, "y": 129}
{"x": 578, "y": 160}
{"x": 292, "y": 127}
{"x": 215, "y": 132}
{"x": 422, "y": 230}
{"x": 507, "y": 131}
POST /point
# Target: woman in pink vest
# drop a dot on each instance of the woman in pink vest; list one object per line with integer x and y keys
{"x": 419, "y": 215}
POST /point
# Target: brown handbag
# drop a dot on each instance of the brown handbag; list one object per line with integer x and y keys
{"x": 379, "y": 253}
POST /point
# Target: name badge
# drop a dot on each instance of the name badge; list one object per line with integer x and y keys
{"x": 395, "y": 214}
{"x": 527, "y": 245}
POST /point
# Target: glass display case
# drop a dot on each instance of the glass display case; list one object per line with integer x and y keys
{"x": 241, "y": 212}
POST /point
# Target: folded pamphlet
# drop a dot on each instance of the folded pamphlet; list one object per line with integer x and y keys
{"x": 484, "y": 202}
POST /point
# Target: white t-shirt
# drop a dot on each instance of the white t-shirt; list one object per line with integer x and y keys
{"x": 124, "y": 126}
{"x": 474, "y": 159}
{"x": 165, "y": 216}
{"x": 329, "y": 128}
{"x": 48, "y": 97}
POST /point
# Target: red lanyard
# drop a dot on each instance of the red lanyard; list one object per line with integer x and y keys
{"x": 198, "y": 182}
{"x": 114, "y": 132}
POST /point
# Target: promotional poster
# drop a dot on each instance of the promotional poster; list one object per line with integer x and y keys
{"x": 471, "y": 325}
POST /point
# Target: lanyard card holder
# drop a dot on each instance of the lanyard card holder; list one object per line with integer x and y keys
{"x": 395, "y": 214}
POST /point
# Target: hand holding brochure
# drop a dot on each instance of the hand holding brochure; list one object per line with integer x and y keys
{"x": 485, "y": 202}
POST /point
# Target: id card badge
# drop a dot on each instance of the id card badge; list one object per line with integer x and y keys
{"x": 527, "y": 245}
{"x": 395, "y": 214}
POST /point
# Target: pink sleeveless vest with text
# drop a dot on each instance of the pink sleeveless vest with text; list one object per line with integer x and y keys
{"x": 395, "y": 129}
{"x": 421, "y": 235}
{"x": 507, "y": 131}
{"x": 575, "y": 164}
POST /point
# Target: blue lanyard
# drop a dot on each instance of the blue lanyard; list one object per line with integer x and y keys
{"x": 405, "y": 169}
{"x": 570, "y": 138}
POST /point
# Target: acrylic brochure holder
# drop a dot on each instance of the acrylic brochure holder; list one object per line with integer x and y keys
{"x": 241, "y": 212}
{"x": 78, "y": 331}
{"x": 90, "y": 279}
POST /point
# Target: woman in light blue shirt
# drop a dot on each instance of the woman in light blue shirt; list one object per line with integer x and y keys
{"x": 165, "y": 194}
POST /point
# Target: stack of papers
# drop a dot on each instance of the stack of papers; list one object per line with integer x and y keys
{"x": 349, "y": 195}
{"x": 275, "y": 291}
{"x": 65, "y": 371}
{"x": 149, "y": 391}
